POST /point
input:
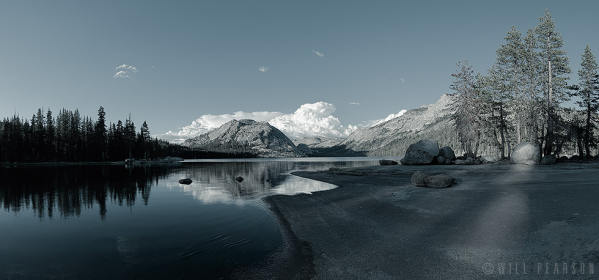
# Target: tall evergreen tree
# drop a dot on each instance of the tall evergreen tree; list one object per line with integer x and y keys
{"x": 50, "y": 135}
{"x": 554, "y": 71}
{"x": 129, "y": 136}
{"x": 532, "y": 80}
{"x": 495, "y": 101}
{"x": 506, "y": 78}
{"x": 39, "y": 135}
{"x": 145, "y": 132}
{"x": 588, "y": 97}
{"x": 467, "y": 108}
{"x": 145, "y": 139}
{"x": 100, "y": 134}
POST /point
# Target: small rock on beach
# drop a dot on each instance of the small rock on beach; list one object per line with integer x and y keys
{"x": 421, "y": 179}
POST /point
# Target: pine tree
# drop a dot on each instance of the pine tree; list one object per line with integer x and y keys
{"x": 555, "y": 71}
{"x": 588, "y": 97}
{"x": 75, "y": 142}
{"x": 467, "y": 108}
{"x": 130, "y": 136}
{"x": 507, "y": 78}
{"x": 145, "y": 132}
{"x": 145, "y": 139}
{"x": 100, "y": 134}
{"x": 50, "y": 135}
{"x": 39, "y": 135}
{"x": 496, "y": 98}
{"x": 532, "y": 74}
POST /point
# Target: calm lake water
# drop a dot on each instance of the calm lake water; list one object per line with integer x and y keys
{"x": 109, "y": 222}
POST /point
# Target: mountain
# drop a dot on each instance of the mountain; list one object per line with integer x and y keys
{"x": 434, "y": 122}
{"x": 317, "y": 141}
{"x": 392, "y": 137}
{"x": 246, "y": 136}
{"x": 322, "y": 147}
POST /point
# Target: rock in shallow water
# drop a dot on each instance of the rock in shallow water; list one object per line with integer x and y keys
{"x": 185, "y": 181}
{"x": 421, "y": 179}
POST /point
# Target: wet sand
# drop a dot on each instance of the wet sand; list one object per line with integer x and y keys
{"x": 526, "y": 220}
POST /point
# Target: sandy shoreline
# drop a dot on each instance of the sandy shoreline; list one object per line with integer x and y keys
{"x": 377, "y": 226}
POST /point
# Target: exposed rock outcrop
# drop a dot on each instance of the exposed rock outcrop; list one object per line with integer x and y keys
{"x": 246, "y": 136}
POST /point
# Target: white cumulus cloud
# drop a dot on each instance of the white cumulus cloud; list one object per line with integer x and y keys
{"x": 312, "y": 119}
{"x": 318, "y": 53}
{"x": 354, "y": 103}
{"x": 123, "y": 71}
{"x": 263, "y": 69}
{"x": 309, "y": 120}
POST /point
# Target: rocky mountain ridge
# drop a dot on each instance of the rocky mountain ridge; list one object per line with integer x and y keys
{"x": 246, "y": 136}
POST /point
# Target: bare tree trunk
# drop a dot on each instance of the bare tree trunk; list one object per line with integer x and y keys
{"x": 509, "y": 144}
{"x": 518, "y": 130}
{"x": 501, "y": 131}
{"x": 580, "y": 146}
{"x": 477, "y": 144}
{"x": 532, "y": 120}
{"x": 549, "y": 136}
{"x": 587, "y": 132}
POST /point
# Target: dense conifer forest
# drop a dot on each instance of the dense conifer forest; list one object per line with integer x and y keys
{"x": 70, "y": 137}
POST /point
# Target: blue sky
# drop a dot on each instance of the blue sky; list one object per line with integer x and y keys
{"x": 203, "y": 57}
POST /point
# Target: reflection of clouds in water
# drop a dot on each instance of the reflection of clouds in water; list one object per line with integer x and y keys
{"x": 214, "y": 182}
{"x": 239, "y": 193}
{"x": 208, "y": 194}
{"x": 295, "y": 185}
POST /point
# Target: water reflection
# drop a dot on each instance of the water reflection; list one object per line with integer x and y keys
{"x": 67, "y": 190}
{"x": 214, "y": 182}
{"x": 205, "y": 230}
{"x": 48, "y": 191}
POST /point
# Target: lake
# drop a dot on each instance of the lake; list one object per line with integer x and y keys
{"x": 112, "y": 222}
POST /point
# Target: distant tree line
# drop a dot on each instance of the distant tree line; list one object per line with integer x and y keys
{"x": 71, "y": 137}
{"x": 525, "y": 97}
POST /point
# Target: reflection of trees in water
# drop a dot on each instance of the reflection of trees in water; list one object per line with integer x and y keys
{"x": 258, "y": 177}
{"x": 69, "y": 189}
